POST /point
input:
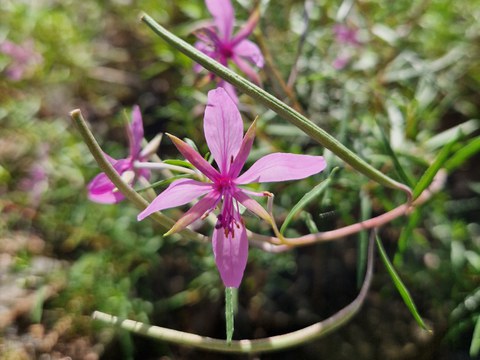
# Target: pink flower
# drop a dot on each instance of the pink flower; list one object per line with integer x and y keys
{"x": 23, "y": 58}
{"x": 346, "y": 35}
{"x": 347, "y": 38}
{"x": 220, "y": 44}
{"x": 223, "y": 130}
{"x": 35, "y": 184}
{"x": 101, "y": 189}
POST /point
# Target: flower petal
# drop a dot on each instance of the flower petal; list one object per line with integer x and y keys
{"x": 207, "y": 50}
{"x": 231, "y": 253}
{"x": 251, "y": 52}
{"x": 102, "y": 190}
{"x": 244, "y": 151}
{"x": 203, "y": 206}
{"x": 247, "y": 28}
{"x": 223, "y": 128}
{"x": 247, "y": 69}
{"x": 224, "y": 16}
{"x": 195, "y": 158}
{"x": 282, "y": 167}
{"x": 135, "y": 132}
{"x": 178, "y": 193}
{"x": 230, "y": 89}
{"x": 252, "y": 205}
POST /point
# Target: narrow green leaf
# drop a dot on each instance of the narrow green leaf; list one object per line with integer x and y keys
{"x": 191, "y": 143}
{"x": 475, "y": 345}
{"x": 407, "y": 299}
{"x": 457, "y": 132}
{"x": 430, "y": 173}
{"x": 312, "y": 227}
{"x": 398, "y": 168}
{"x": 182, "y": 163}
{"x": 306, "y": 199}
{"x": 463, "y": 154}
{"x": 229, "y": 312}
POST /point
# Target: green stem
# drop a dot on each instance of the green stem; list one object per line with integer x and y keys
{"x": 273, "y": 343}
{"x": 278, "y": 106}
{"x": 116, "y": 179}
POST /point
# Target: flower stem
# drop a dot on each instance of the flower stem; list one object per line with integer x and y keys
{"x": 273, "y": 343}
{"x": 162, "y": 166}
{"x": 277, "y": 106}
{"x": 280, "y": 244}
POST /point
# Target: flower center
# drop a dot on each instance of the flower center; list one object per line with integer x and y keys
{"x": 229, "y": 218}
{"x": 225, "y": 50}
{"x": 224, "y": 185}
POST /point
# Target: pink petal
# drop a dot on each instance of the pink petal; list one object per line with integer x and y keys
{"x": 223, "y": 128}
{"x": 178, "y": 193}
{"x": 207, "y": 50}
{"x": 244, "y": 151}
{"x": 251, "y": 52}
{"x": 230, "y": 89}
{"x": 251, "y": 205}
{"x": 247, "y": 28}
{"x": 202, "y": 207}
{"x": 135, "y": 132}
{"x": 282, "y": 167}
{"x": 102, "y": 190}
{"x": 246, "y": 69}
{"x": 224, "y": 16}
{"x": 341, "y": 61}
{"x": 195, "y": 158}
{"x": 231, "y": 253}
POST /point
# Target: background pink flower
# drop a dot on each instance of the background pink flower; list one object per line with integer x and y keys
{"x": 23, "y": 57}
{"x": 219, "y": 43}
{"x": 101, "y": 189}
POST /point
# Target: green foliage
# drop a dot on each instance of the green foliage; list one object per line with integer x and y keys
{"x": 404, "y": 293}
{"x": 406, "y": 102}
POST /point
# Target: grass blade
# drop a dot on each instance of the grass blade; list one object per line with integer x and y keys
{"x": 306, "y": 199}
{"x": 430, "y": 173}
{"x": 475, "y": 345}
{"x": 407, "y": 299}
{"x": 396, "y": 163}
{"x": 463, "y": 154}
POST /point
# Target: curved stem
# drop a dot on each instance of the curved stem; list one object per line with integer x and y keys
{"x": 117, "y": 180}
{"x": 284, "y": 244}
{"x": 278, "y": 106}
{"x": 273, "y": 343}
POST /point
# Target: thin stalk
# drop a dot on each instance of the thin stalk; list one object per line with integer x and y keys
{"x": 282, "y": 109}
{"x": 273, "y": 343}
{"x": 285, "y": 243}
{"x": 162, "y": 166}
{"x": 117, "y": 180}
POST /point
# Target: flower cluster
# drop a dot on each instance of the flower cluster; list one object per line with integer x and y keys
{"x": 221, "y": 190}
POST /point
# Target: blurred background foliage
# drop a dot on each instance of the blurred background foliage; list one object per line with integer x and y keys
{"x": 411, "y": 77}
